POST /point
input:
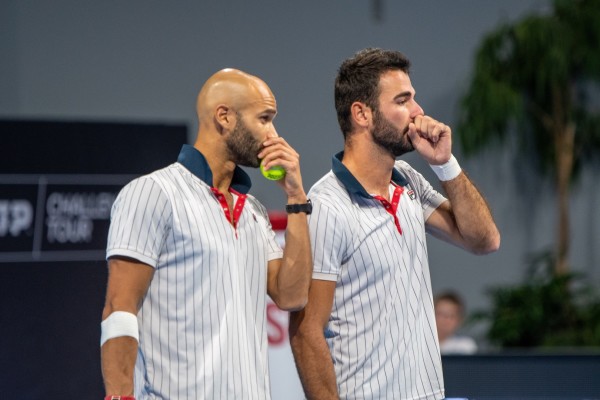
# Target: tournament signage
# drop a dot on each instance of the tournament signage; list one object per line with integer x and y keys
{"x": 56, "y": 217}
{"x": 58, "y": 181}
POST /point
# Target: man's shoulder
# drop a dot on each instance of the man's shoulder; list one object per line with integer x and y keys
{"x": 409, "y": 173}
{"x": 153, "y": 180}
{"x": 328, "y": 185}
{"x": 166, "y": 172}
{"x": 403, "y": 167}
{"x": 330, "y": 194}
{"x": 256, "y": 204}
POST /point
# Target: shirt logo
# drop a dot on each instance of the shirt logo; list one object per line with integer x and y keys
{"x": 411, "y": 193}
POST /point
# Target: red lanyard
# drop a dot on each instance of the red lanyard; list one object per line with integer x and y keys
{"x": 393, "y": 206}
{"x": 237, "y": 208}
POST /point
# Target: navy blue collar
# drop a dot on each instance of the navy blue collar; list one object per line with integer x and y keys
{"x": 194, "y": 161}
{"x": 351, "y": 183}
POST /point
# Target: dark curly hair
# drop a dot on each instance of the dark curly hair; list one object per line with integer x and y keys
{"x": 358, "y": 80}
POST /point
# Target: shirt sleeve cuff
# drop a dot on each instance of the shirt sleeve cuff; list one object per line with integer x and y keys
{"x": 132, "y": 254}
{"x": 324, "y": 277}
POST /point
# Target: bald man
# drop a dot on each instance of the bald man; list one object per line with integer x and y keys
{"x": 192, "y": 256}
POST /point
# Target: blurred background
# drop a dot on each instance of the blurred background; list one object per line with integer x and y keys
{"x": 143, "y": 62}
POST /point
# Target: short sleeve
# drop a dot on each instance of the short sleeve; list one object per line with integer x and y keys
{"x": 140, "y": 220}
{"x": 274, "y": 250}
{"x": 328, "y": 238}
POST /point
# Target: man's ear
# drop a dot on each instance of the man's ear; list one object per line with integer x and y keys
{"x": 361, "y": 114}
{"x": 225, "y": 118}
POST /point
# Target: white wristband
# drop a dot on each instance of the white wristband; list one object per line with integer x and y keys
{"x": 447, "y": 171}
{"x": 119, "y": 323}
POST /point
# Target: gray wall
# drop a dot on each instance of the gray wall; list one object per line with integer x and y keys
{"x": 144, "y": 61}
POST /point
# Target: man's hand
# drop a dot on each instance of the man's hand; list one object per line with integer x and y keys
{"x": 277, "y": 151}
{"x": 431, "y": 139}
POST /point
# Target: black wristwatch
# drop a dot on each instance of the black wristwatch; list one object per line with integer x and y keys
{"x": 298, "y": 208}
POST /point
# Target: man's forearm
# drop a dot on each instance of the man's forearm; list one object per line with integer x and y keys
{"x": 472, "y": 214}
{"x": 118, "y": 362}
{"x": 295, "y": 274}
{"x": 314, "y": 365}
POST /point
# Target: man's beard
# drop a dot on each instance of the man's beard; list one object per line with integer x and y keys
{"x": 390, "y": 138}
{"x": 242, "y": 146}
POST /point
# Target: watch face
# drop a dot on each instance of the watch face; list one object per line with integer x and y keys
{"x": 308, "y": 207}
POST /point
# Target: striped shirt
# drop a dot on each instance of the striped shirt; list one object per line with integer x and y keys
{"x": 203, "y": 332}
{"x": 381, "y": 332}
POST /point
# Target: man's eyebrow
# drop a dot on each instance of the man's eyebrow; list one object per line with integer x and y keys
{"x": 403, "y": 94}
{"x": 272, "y": 111}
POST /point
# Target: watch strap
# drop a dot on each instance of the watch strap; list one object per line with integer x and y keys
{"x": 298, "y": 208}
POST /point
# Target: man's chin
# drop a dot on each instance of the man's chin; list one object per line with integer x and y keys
{"x": 251, "y": 164}
{"x": 407, "y": 146}
{"x": 399, "y": 150}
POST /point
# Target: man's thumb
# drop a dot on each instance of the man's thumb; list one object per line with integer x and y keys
{"x": 412, "y": 132}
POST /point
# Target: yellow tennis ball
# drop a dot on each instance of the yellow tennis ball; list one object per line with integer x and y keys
{"x": 274, "y": 173}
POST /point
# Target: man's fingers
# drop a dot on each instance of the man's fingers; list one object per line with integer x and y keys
{"x": 274, "y": 140}
{"x": 279, "y": 153}
{"x": 413, "y": 135}
{"x": 437, "y": 130}
{"x": 429, "y": 128}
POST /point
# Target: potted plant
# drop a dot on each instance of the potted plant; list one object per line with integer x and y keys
{"x": 547, "y": 310}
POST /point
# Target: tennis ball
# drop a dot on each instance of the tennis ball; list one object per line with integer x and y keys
{"x": 274, "y": 173}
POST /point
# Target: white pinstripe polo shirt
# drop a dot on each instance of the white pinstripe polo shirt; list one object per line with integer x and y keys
{"x": 381, "y": 332}
{"x": 202, "y": 323}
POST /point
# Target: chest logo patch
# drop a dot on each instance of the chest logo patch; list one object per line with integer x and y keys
{"x": 410, "y": 192}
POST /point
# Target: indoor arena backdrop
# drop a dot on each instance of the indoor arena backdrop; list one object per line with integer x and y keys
{"x": 57, "y": 184}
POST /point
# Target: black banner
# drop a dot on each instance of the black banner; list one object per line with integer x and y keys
{"x": 58, "y": 181}
{"x": 56, "y": 217}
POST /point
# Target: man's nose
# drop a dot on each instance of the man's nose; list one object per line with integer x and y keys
{"x": 417, "y": 110}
